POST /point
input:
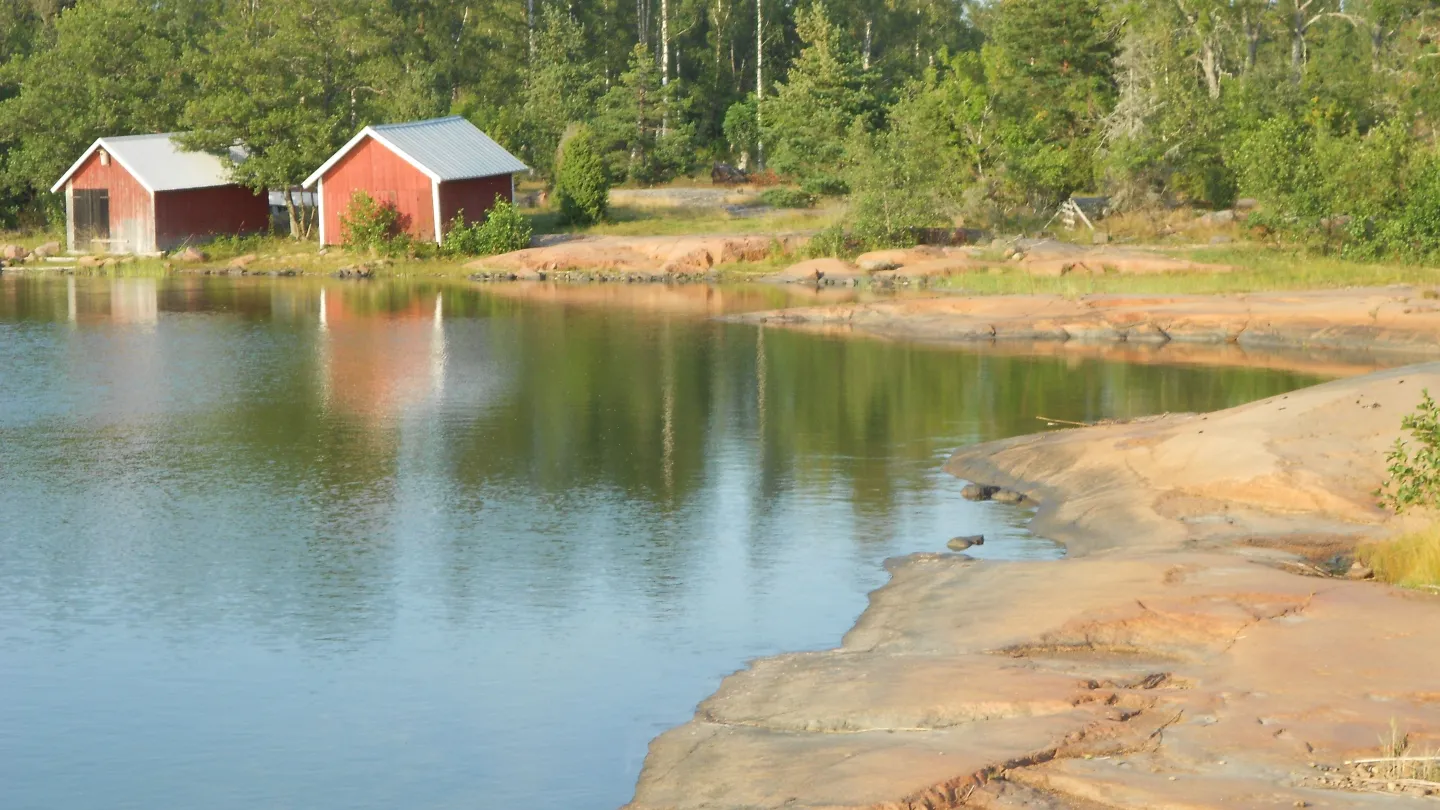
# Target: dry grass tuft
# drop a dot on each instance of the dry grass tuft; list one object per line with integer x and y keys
{"x": 1411, "y": 560}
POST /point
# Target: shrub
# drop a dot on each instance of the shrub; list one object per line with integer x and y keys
{"x": 829, "y": 242}
{"x": 787, "y": 198}
{"x": 504, "y": 230}
{"x": 367, "y": 225}
{"x": 1414, "y": 477}
{"x": 582, "y": 187}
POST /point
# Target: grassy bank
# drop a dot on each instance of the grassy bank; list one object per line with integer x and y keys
{"x": 1259, "y": 269}
{"x": 1411, "y": 560}
{"x": 679, "y": 221}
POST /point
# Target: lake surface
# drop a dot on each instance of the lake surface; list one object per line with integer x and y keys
{"x": 292, "y": 544}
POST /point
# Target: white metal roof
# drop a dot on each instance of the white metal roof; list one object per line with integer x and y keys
{"x": 159, "y": 163}
{"x": 443, "y": 149}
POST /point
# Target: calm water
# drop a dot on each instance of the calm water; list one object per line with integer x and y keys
{"x": 293, "y": 545}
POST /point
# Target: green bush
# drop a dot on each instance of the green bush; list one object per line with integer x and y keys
{"x": 503, "y": 230}
{"x": 1414, "y": 478}
{"x": 787, "y": 198}
{"x": 367, "y": 225}
{"x": 582, "y": 188}
{"x": 830, "y": 242}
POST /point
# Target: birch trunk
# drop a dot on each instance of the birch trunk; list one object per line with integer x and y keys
{"x": 665, "y": 63}
{"x": 759, "y": 83}
{"x": 865, "y": 54}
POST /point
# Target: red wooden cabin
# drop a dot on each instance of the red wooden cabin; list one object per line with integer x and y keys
{"x": 146, "y": 194}
{"x": 428, "y": 171}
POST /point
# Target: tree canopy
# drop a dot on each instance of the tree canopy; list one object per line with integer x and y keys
{"x": 1321, "y": 109}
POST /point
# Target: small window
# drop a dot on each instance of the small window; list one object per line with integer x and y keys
{"x": 104, "y": 158}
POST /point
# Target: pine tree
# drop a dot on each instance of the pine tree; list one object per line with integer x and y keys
{"x": 632, "y": 130}
{"x": 805, "y": 125}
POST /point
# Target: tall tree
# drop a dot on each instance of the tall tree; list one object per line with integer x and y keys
{"x": 111, "y": 67}
{"x": 807, "y": 121}
{"x": 291, "y": 81}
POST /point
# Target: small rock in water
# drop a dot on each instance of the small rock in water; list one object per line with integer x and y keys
{"x": 978, "y": 492}
{"x": 1007, "y": 496}
{"x": 962, "y": 543}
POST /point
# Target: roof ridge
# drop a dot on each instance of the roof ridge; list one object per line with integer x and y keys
{"x": 140, "y": 136}
{"x": 420, "y": 123}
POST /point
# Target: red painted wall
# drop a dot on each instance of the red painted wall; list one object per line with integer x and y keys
{"x": 196, "y": 215}
{"x": 131, "y": 214}
{"x": 475, "y": 197}
{"x": 374, "y": 169}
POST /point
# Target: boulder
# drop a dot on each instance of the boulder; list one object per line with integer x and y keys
{"x": 963, "y": 543}
{"x": 1009, "y": 496}
{"x": 978, "y": 492}
{"x": 1215, "y": 218}
{"x": 241, "y": 262}
{"x": 89, "y": 261}
{"x": 190, "y": 255}
{"x": 816, "y": 270}
{"x": 48, "y": 249}
{"x": 13, "y": 253}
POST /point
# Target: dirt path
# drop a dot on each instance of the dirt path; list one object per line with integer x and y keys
{"x": 1177, "y": 659}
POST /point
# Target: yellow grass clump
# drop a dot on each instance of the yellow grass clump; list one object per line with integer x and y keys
{"x": 1411, "y": 560}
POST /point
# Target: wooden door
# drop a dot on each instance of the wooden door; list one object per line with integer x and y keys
{"x": 92, "y": 219}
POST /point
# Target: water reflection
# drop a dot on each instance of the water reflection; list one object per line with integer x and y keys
{"x": 297, "y": 543}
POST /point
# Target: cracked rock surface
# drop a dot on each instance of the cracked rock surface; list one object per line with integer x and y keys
{"x": 1171, "y": 661}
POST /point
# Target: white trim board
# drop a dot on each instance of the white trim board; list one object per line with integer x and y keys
{"x": 435, "y": 198}
{"x": 75, "y": 167}
{"x": 354, "y": 142}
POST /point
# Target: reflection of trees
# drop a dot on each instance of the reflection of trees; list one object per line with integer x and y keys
{"x": 568, "y": 442}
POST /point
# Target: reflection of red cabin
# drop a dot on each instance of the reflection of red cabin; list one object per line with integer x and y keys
{"x": 144, "y": 194}
{"x": 428, "y": 171}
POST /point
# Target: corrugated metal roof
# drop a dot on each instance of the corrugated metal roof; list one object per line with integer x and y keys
{"x": 443, "y": 148}
{"x": 451, "y": 148}
{"x": 160, "y": 164}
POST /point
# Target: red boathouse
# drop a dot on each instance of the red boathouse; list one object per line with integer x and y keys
{"x": 428, "y": 171}
{"x": 146, "y": 194}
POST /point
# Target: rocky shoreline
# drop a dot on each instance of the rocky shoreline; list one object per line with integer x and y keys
{"x": 1388, "y": 319}
{"x": 1190, "y": 652}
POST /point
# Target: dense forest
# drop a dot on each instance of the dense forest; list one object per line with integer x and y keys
{"x": 921, "y": 112}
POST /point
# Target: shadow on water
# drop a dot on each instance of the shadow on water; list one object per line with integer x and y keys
{"x": 301, "y": 543}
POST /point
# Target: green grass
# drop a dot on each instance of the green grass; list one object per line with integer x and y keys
{"x": 1261, "y": 269}
{"x": 31, "y": 239}
{"x": 677, "y": 221}
{"x": 1411, "y": 560}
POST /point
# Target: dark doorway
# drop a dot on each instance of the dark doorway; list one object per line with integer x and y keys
{"x": 92, "y": 218}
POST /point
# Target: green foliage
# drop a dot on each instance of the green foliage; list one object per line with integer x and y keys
{"x": 366, "y": 224}
{"x": 289, "y": 120}
{"x": 641, "y": 128}
{"x": 561, "y": 87}
{"x": 1414, "y": 470}
{"x": 107, "y": 67}
{"x": 582, "y": 188}
{"x": 782, "y": 197}
{"x": 805, "y": 125}
{"x": 503, "y": 230}
{"x": 742, "y": 130}
{"x": 902, "y": 177}
{"x": 831, "y": 242}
